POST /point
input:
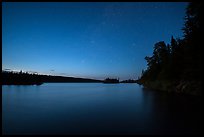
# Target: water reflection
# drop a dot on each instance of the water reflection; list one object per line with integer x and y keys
{"x": 96, "y": 108}
{"x": 175, "y": 113}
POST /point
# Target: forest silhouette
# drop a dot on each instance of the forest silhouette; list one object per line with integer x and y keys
{"x": 177, "y": 67}
{"x": 109, "y": 80}
{"x": 25, "y": 78}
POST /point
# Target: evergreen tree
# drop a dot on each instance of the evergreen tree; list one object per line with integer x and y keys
{"x": 182, "y": 58}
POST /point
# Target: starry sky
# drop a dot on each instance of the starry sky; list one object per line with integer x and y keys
{"x": 92, "y": 39}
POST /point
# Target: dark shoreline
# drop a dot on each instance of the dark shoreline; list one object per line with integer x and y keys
{"x": 38, "y": 84}
{"x": 25, "y": 84}
{"x": 24, "y": 78}
{"x": 182, "y": 87}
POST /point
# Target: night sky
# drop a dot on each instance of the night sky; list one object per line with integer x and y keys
{"x": 93, "y": 40}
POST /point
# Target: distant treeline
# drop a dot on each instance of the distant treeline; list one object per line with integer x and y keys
{"x": 178, "y": 66}
{"x": 129, "y": 81}
{"x": 20, "y": 78}
{"x": 25, "y": 78}
{"x": 109, "y": 80}
{"x": 112, "y": 80}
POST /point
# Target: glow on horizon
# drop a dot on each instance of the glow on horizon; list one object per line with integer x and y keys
{"x": 89, "y": 40}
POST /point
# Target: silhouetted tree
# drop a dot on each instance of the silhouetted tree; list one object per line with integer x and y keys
{"x": 182, "y": 58}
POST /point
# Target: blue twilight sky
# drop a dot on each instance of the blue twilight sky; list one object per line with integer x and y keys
{"x": 95, "y": 40}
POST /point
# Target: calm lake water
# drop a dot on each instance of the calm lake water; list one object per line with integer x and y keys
{"x": 87, "y": 108}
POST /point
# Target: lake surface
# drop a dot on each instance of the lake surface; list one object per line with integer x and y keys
{"x": 96, "y": 108}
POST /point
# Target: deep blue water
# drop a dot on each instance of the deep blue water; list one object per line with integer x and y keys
{"x": 87, "y": 108}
